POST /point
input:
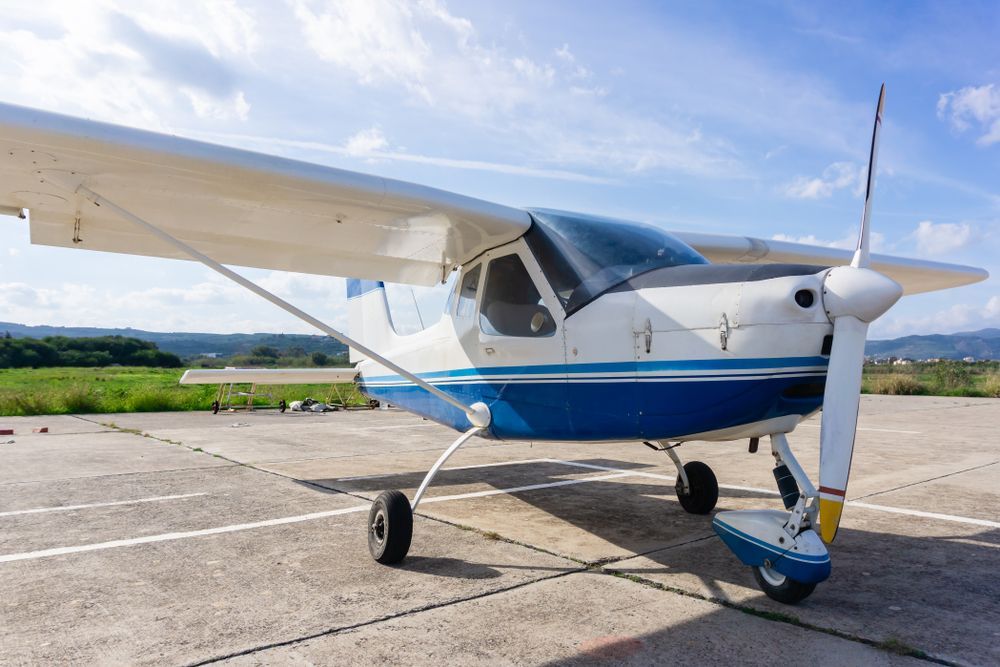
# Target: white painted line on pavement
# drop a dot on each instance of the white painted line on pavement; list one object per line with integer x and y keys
{"x": 67, "y": 508}
{"x": 851, "y": 503}
{"x": 165, "y": 537}
{"x": 927, "y": 515}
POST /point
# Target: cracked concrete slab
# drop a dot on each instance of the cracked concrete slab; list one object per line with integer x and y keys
{"x": 580, "y": 619}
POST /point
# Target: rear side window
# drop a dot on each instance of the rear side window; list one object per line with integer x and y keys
{"x": 467, "y": 293}
{"x": 512, "y": 305}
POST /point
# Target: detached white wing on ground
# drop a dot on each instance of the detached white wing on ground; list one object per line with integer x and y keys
{"x": 269, "y": 376}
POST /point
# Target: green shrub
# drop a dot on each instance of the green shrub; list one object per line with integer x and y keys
{"x": 952, "y": 375}
{"x": 80, "y": 399}
{"x": 991, "y": 386}
{"x": 149, "y": 399}
{"x": 897, "y": 384}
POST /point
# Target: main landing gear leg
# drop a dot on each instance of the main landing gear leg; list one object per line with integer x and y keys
{"x": 787, "y": 556}
{"x": 390, "y": 520}
{"x": 697, "y": 488}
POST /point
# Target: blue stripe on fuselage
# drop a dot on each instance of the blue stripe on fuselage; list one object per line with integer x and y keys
{"x": 619, "y": 408}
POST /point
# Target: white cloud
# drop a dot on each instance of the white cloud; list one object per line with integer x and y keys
{"x": 838, "y": 176}
{"x": 943, "y": 237}
{"x": 213, "y": 305}
{"x": 980, "y": 104}
{"x": 136, "y": 63}
{"x": 956, "y": 317}
{"x": 366, "y": 142}
{"x": 435, "y": 60}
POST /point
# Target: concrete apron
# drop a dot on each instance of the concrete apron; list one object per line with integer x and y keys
{"x": 902, "y": 580}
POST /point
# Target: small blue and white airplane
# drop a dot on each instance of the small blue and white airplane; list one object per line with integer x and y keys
{"x": 560, "y": 326}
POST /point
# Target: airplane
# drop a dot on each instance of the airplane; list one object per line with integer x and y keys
{"x": 560, "y": 326}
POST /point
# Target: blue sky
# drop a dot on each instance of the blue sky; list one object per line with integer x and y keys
{"x": 733, "y": 118}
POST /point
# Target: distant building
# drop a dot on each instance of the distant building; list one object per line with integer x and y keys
{"x": 969, "y": 360}
{"x": 902, "y": 362}
{"x": 210, "y": 355}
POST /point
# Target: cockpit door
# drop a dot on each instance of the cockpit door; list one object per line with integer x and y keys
{"x": 520, "y": 349}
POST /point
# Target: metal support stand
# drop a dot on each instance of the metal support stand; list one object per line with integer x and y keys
{"x": 440, "y": 462}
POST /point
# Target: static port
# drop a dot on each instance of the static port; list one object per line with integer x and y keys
{"x": 805, "y": 298}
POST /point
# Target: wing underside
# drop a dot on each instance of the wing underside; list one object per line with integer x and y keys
{"x": 235, "y": 206}
{"x": 249, "y": 209}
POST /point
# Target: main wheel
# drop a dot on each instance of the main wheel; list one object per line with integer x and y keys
{"x": 703, "y": 488}
{"x": 390, "y": 527}
{"x": 282, "y": 405}
{"x": 779, "y": 587}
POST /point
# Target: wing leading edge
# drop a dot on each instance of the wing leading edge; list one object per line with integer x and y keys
{"x": 250, "y": 209}
{"x": 236, "y": 206}
{"x": 915, "y": 275}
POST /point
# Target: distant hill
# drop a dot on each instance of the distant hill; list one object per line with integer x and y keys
{"x": 186, "y": 344}
{"x": 982, "y": 344}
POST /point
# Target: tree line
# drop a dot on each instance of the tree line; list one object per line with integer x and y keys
{"x": 99, "y": 351}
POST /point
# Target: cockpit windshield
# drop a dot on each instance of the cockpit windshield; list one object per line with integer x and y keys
{"x": 584, "y": 256}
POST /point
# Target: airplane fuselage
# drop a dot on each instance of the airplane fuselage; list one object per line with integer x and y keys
{"x": 713, "y": 351}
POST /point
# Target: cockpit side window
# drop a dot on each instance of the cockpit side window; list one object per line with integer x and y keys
{"x": 511, "y": 304}
{"x": 467, "y": 293}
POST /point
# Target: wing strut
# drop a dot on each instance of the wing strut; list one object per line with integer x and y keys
{"x": 478, "y": 413}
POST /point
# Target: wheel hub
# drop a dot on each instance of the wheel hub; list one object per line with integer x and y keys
{"x": 378, "y": 527}
{"x": 771, "y": 576}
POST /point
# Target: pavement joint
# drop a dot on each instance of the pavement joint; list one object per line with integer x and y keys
{"x": 382, "y": 619}
{"x": 925, "y": 481}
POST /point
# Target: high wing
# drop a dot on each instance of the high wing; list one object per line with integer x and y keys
{"x": 250, "y": 209}
{"x": 915, "y": 275}
{"x": 268, "y": 375}
{"x": 238, "y": 207}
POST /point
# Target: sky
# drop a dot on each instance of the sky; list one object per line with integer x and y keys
{"x": 724, "y": 117}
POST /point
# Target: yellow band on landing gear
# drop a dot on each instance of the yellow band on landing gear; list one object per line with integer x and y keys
{"x": 829, "y": 518}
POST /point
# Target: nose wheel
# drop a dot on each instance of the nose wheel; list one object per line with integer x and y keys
{"x": 780, "y": 587}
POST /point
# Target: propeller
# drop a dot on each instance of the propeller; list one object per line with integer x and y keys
{"x": 853, "y": 296}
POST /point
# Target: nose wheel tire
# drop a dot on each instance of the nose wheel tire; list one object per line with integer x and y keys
{"x": 390, "y": 527}
{"x": 779, "y": 587}
{"x": 703, "y": 488}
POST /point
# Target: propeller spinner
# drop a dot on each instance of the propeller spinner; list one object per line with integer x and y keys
{"x": 853, "y": 296}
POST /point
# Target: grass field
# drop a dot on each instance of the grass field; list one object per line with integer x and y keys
{"x": 44, "y": 391}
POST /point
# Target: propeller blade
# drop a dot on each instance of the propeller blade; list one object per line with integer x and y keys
{"x": 839, "y": 420}
{"x": 861, "y": 255}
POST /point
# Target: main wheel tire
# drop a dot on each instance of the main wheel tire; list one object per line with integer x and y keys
{"x": 215, "y": 407}
{"x": 780, "y": 587}
{"x": 703, "y": 488}
{"x": 390, "y": 527}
